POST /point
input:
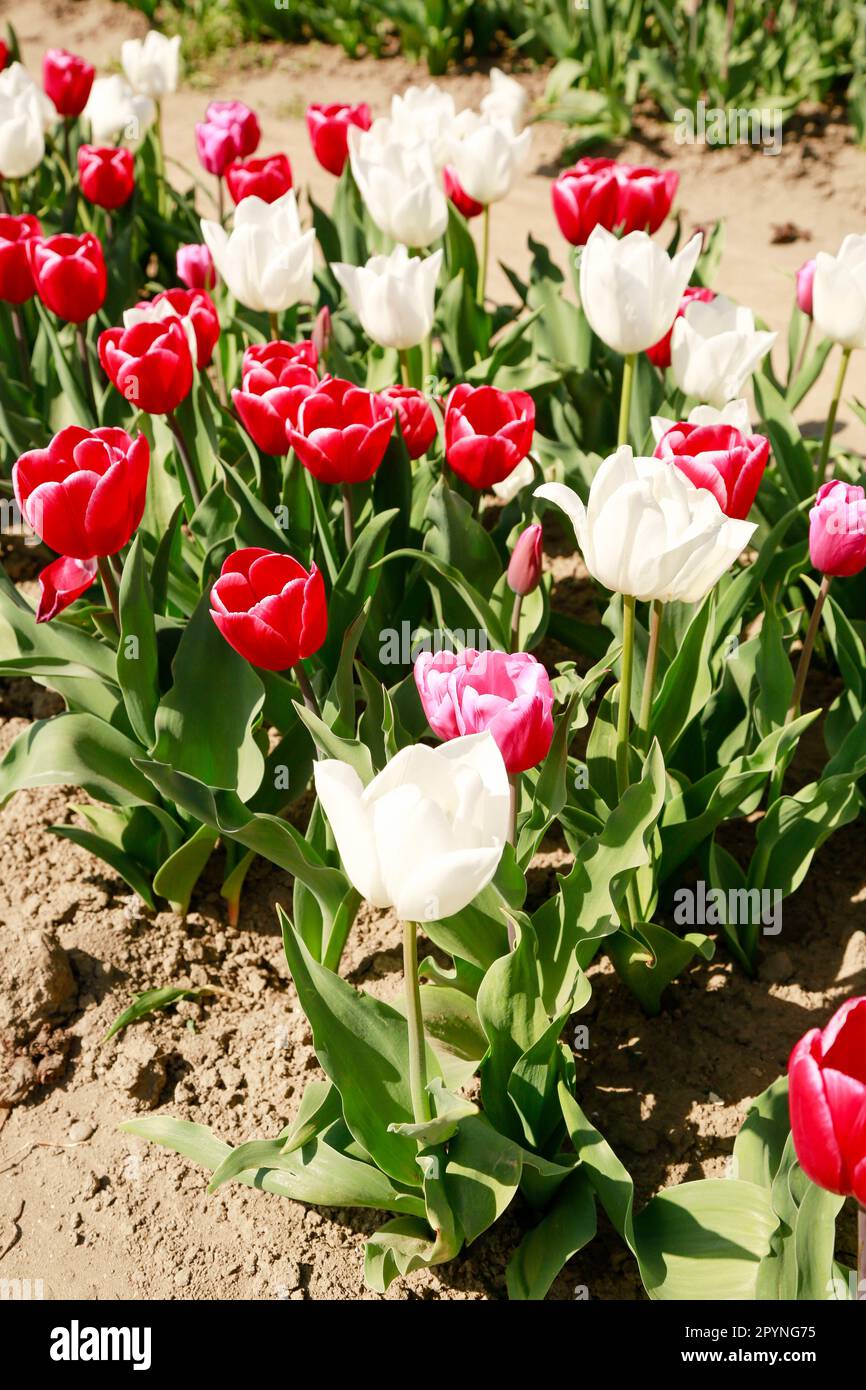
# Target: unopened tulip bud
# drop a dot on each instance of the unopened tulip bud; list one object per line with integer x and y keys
{"x": 805, "y": 281}
{"x": 321, "y": 336}
{"x": 524, "y": 568}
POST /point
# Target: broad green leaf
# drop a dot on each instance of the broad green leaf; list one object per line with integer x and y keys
{"x": 704, "y": 1241}
{"x": 137, "y": 658}
{"x": 568, "y": 1225}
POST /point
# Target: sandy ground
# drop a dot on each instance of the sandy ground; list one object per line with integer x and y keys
{"x": 94, "y": 1214}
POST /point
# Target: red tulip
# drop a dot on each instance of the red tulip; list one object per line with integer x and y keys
{"x": 149, "y": 363}
{"x": 269, "y": 608}
{"x": 611, "y": 194}
{"x": 262, "y": 354}
{"x": 270, "y": 398}
{"x": 837, "y": 529}
{"x": 67, "y": 80}
{"x": 524, "y": 567}
{"x": 458, "y": 195}
{"x": 487, "y": 432}
{"x": 805, "y": 282}
{"x": 342, "y": 432}
{"x": 417, "y": 422}
{"x": 645, "y": 196}
{"x": 719, "y": 458}
{"x": 4, "y": 54}
{"x": 61, "y": 583}
{"x": 106, "y": 175}
{"x": 69, "y": 274}
{"x": 510, "y": 695}
{"x": 16, "y": 280}
{"x": 84, "y": 495}
{"x": 328, "y": 127}
{"x": 267, "y": 178}
{"x": 195, "y": 266}
{"x": 194, "y": 307}
{"x": 660, "y": 353}
{"x": 827, "y": 1076}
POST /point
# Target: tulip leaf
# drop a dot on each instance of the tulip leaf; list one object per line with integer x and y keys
{"x": 687, "y": 683}
{"x": 154, "y": 999}
{"x": 774, "y": 676}
{"x": 123, "y": 864}
{"x": 789, "y": 451}
{"x": 760, "y": 1143}
{"x": 567, "y": 1226}
{"x": 401, "y": 1246}
{"x": 482, "y": 612}
{"x": 137, "y": 658}
{"x": 705, "y": 1240}
{"x": 79, "y": 750}
{"x": 356, "y": 582}
{"x": 796, "y": 826}
{"x": 651, "y": 958}
{"x": 179, "y": 873}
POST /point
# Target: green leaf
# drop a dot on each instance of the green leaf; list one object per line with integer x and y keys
{"x": 79, "y": 750}
{"x": 704, "y": 1241}
{"x": 653, "y": 957}
{"x": 687, "y": 683}
{"x": 760, "y": 1143}
{"x": 567, "y": 1226}
{"x": 179, "y": 873}
{"x": 153, "y": 1000}
{"x": 137, "y": 658}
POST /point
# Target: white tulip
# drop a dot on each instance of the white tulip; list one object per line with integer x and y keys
{"x": 116, "y": 112}
{"x": 400, "y": 186}
{"x": 631, "y": 289}
{"x": 506, "y": 100}
{"x": 15, "y": 81}
{"x": 393, "y": 296}
{"x": 647, "y": 531}
{"x": 734, "y": 413}
{"x": 151, "y": 64}
{"x": 487, "y": 156}
{"x": 715, "y": 348}
{"x": 266, "y": 261}
{"x": 421, "y": 116}
{"x": 22, "y": 141}
{"x": 516, "y": 481}
{"x": 839, "y": 293}
{"x": 426, "y": 835}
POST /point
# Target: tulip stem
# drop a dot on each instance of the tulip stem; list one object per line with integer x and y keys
{"x": 109, "y": 584}
{"x": 81, "y": 339}
{"x": 806, "y": 653}
{"x": 306, "y": 689}
{"x": 831, "y": 418}
{"x": 622, "y": 720}
{"x": 221, "y": 209}
{"x": 405, "y": 375}
{"x": 514, "y": 802}
{"x": 861, "y": 1254}
{"x": 21, "y": 340}
{"x": 625, "y": 398}
{"x": 348, "y": 516}
{"x": 274, "y": 322}
{"x": 514, "y": 643}
{"x": 652, "y": 661}
{"x": 185, "y": 459}
{"x": 485, "y": 256}
{"x": 801, "y": 356}
{"x": 417, "y": 1045}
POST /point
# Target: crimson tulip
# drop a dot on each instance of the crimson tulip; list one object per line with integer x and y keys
{"x": 487, "y": 432}
{"x": 267, "y": 178}
{"x": 69, "y": 274}
{"x": 458, "y": 195}
{"x": 4, "y": 54}
{"x": 606, "y": 192}
{"x": 106, "y": 175}
{"x": 277, "y": 350}
{"x": 524, "y": 567}
{"x": 61, "y": 583}
{"x": 195, "y": 266}
{"x": 16, "y": 279}
{"x": 508, "y": 694}
{"x": 328, "y": 127}
{"x": 827, "y": 1098}
{"x": 84, "y": 495}
{"x": 342, "y": 432}
{"x": 67, "y": 80}
{"x": 719, "y": 458}
{"x": 660, "y": 353}
{"x": 150, "y": 363}
{"x": 837, "y": 529}
{"x": 192, "y": 307}
{"x": 417, "y": 422}
{"x": 269, "y": 608}
{"x": 270, "y": 398}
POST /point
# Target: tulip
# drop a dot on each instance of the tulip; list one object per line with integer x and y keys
{"x": 524, "y": 567}
{"x": 417, "y": 422}
{"x": 648, "y": 532}
{"x": 61, "y": 583}
{"x": 506, "y": 100}
{"x": 150, "y": 363}
{"x": 267, "y": 178}
{"x": 585, "y": 197}
{"x": 837, "y": 529}
{"x": 630, "y": 289}
{"x": 196, "y": 311}
{"x": 195, "y": 266}
{"x": 278, "y": 352}
{"x": 487, "y": 432}
{"x": 17, "y": 84}
{"x": 4, "y": 54}
{"x": 328, "y": 127}
{"x": 240, "y": 120}
{"x": 342, "y": 432}
{"x": 458, "y": 195}
{"x": 106, "y": 175}
{"x": 827, "y": 1098}
{"x": 22, "y": 140}
{"x": 266, "y": 261}
{"x": 270, "y": 397}
{"x": 116, "y": 112}
{"x": 421, "y": 117}
{"x": 660, "y": 353}
{"x": 487, "y": 156}
{"x": 839, "y": 293}
{"x": 215, "y": 146}
{"x": 151, "y": 64}
{"x": 269, "y": 608}
{"x": 320, "y": 339}
{"x": 67, "y": 80}
{"x": 84, "y": 495}
{"x": 735, "y": 413}
{"x": 715, "y": 348}
{"x": 393, "y": 296}
{"x": 719, "y": 458}
{"x": 400, "y": 187}
{"x": 469, "y": 692}
{"x": 16, "y": 280}
{"x": 425, "y": 836}
{"x": 69, "y": 274}
{"x": 805, "y": 284}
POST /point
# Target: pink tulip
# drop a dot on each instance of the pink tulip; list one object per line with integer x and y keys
{"x": 837, "y": 529}
{"x": 240, "y": 120}
{"x": 524, "y": 568}
{"x": 805, "y": 281}
{"x": 216, "y": 147}
{"x": 468, "y": 692}
{"x": 827, "y": 1075}
{"x": 195, "y": 267}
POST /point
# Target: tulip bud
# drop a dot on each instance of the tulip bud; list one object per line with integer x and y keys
{"x": 195, "y": 267}
{"x": 69, "y": 274}
{"x": 805, "y": 281}
{"x": 67, "y": 80}
{"x": 321, "y": 336}
{"x": 837, "y": 529}
{"x": 269, "y": 608}
{"x": 524, "y": 567}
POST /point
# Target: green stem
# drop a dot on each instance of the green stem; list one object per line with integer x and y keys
{"x": 109, "y": 584}
{"x": 81, "y": 339}
{"x": 622, "y": 721}
{"x": 514, "y": 788}
{"x": 405, "y": 374}
{"x": 220, "y": 201}
{"x": 801, "y": 356}
{"x": 427, "y": 382}
{"x": 806, "y": 653}
{"x": 485, "y": 256}
{"x": 514, "y": 643}
{"x": 307, "y": 692}
{"x": 348, "y": 516}
{"x": 185, "y": 459}
{"x": 831, "y": 418}
{"x": 625, "y": 398}
{"x": 274, "y": 322}
{"x": 417, "y": 1046}
{"x": 652, "y": 661}
{"x": 21, "y": 340}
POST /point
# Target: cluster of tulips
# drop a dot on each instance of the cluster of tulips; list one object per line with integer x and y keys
{"x": 246, "y": 442}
